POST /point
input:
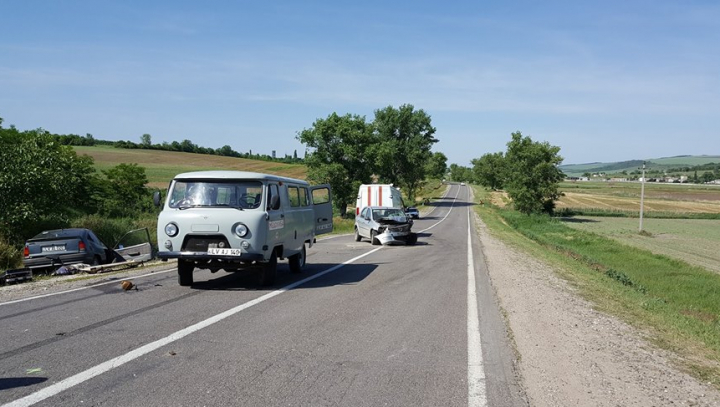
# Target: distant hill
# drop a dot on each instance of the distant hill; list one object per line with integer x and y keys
{"x": 632, "y": 165}
{"x": 161, "y": 166}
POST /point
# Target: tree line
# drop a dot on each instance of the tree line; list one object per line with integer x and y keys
{"x": 185, "y": 146}
{"x": 395, "y": 148}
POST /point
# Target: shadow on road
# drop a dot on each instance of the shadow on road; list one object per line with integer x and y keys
{"x": 13, "y": 382}
{"x": 249, "y": 279}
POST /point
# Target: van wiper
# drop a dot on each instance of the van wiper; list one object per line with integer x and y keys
{"x": 230, "y": 206}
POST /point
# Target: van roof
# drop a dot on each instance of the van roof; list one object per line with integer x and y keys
{"x": 208, "y": 175}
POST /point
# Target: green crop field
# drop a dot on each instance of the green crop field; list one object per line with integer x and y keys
{"x": 162, "y": 166}
{"x": 695, "y": 241}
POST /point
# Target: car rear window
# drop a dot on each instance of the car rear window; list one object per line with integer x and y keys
{"x": 57, "y": 234}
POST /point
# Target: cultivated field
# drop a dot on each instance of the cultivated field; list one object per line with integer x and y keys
{"x": 161, "y": 166}
{"x": 625, "y": 196}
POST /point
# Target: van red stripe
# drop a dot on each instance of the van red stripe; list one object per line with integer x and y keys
{"x": 369, "y": 194}
{"x": 380, "y": 196}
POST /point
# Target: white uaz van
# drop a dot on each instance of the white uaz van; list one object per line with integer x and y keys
{"x": 236, "y": 220}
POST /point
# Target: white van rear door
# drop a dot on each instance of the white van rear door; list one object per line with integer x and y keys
{"x": 322, "y": 206}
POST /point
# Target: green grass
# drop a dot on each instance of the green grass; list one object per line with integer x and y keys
{"x": 695, "y": 241}
{"x": 618, "y": 213}
{"x": 676, "y": 303}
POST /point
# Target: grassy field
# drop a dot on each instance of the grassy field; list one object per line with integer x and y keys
{"x": 695, "y": 241}
{"x": 162, "y": 166}
{"x": 674, "y": 303}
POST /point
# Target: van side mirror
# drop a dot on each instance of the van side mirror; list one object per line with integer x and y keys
{"x": 274, "y": 202}
{"x": 156, "y": 198}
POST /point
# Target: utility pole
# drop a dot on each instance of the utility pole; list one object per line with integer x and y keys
{"x": 642, "y": 195}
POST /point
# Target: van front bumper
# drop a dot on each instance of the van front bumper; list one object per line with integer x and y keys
{"x": 204, "y": 256}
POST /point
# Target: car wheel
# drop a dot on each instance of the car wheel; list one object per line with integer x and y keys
{"x": 297, "y": 261}
{"x": 96, "y": 261}
{"x": 185, "y": 273}
{"x": 374, "y": 240}
{"x": 412, "y": 239}
{"x": 357, "y": 235}
{"x": 269, "y": 271}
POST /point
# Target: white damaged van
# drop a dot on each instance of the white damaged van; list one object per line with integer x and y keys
{"x": 236, "y": 220}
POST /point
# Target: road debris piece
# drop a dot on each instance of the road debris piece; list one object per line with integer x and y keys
{"x": 128, "y": 285}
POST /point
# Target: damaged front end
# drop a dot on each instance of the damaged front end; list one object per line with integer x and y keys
{"x": 393, "y": 232}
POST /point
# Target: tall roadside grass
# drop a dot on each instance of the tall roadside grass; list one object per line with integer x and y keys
{"x": 676, "y": 303}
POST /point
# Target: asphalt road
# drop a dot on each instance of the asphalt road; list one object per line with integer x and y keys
{"x": 363, "y": 325}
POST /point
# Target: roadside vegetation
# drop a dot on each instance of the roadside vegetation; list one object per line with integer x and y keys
{"x": 631, "y": 275}
{"x": 52, "y": 181}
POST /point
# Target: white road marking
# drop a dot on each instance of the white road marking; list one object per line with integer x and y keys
{"x": 81, "y": 288}
{"x": 143, "y": 350}
{"x": 477, "y": 396}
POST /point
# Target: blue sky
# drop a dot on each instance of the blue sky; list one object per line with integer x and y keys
{"x": 605, "y": 81}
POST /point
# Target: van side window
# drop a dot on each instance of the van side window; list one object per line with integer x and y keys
{"x": 273, "y": 191}
{"x": 294, "y": 196}
{"x": 304, "y": 201}
{"x": 320, "y": 196}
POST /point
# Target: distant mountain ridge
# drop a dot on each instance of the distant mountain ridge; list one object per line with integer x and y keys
{"x": 666, "y": 163}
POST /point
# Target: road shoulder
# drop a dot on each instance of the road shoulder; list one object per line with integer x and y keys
{"x": 570, "y": 354}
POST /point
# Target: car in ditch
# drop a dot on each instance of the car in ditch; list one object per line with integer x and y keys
{"x": 384, "y": 225}
{"x": 61, "y": 247}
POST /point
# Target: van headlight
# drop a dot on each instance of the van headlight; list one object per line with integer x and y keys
{"x": 171, "y": 229}
{"x": 240, "y": 229}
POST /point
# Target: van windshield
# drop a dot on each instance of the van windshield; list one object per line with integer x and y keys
{"x": 231, "y": 193}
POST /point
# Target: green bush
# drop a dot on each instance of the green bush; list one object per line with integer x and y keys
{"x": 10, "y": 256}
{"x": 111, "y": 230}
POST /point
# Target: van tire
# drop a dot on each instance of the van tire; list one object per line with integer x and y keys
{"x": 185, "y": 273}
{"x": 374, "y": 240}
{"x": 269, "y": 270}
{"x": 297, "y": 261}
{"x": 357, "y": 235}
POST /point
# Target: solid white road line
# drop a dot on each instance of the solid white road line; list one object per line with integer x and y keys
{"x": 477, "y": 396}
{"x": 143, "y": 350}
{"x": 81, "y": 288}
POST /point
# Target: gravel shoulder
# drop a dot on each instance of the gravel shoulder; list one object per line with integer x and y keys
{"x": 45, "y": 286}
{"x": 572, "y": 355}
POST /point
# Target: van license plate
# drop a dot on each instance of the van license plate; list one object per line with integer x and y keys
{"x": 224, "y": 252}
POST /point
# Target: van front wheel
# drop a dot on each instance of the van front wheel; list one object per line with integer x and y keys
{"x": 297, "y": 261}
{"x": 269, "y": 270}
{"x": 185, "y": 272}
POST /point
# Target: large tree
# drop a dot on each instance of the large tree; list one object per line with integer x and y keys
{"x": 489, "y": 170}
{"x": 533, "y": 177}
{"x": 40, "y": 179}
{"x": 403, "y": 151}
{"x": 339, "y": 155}
{"x": 437, "y": 166}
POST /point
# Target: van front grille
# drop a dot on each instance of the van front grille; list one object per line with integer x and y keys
{"x": 194, "y": 243}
